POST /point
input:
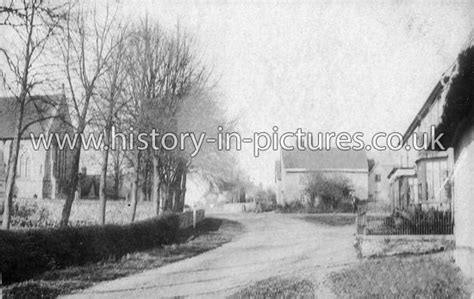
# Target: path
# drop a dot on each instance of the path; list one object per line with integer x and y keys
{"x": 273, "y": 245}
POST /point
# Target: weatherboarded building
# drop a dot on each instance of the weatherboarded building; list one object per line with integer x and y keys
{"x": 293, "y": 168}
{"x": 445, "y": 176}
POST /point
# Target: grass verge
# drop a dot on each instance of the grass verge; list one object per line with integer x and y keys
{"x": 423, "y": 276}
{"x": 330, "y": 219}
{"x": 210, "y": 234}
{"x": 277, "y": 287}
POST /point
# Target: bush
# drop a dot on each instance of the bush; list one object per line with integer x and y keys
{"x": 295, "y": 207}
{"x": 333, "y": 192}
{"x": 265, "y": 200}
{"x": 299, "y": 207}
{"x": 420, "y": 222}
{"x": 29, "y": 215}
{"x": 23, "y": 254}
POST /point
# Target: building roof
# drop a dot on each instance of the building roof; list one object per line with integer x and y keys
{"x": 333, "y": 159}
{"x": 425, "y": 109}
{"x": 37, "y": 107}
{"x": 401, "y": 171}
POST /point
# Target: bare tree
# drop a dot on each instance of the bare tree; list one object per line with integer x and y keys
{"x": 34, "y": 22}
{"x": 163, "y": 72}
{"x": 87, "y": 48}
{"x": 203, "y": 114}
{"x": 185, "y": 78}
{"x": 110, "y": 104}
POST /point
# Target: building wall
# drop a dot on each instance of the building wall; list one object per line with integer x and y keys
{"x": 432, "y": 174}
{"x": 464, "y": 203}
{"x": 379, "y": 191}
{"x": 293, "y": 186}
{"x": 403, "y": 191}
{"x": 464, "y": 191}
{"x": 36, "y": 174}
{"x": 30, "y": 169}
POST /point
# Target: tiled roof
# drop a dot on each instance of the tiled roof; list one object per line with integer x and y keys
{"x": 325, "y": 160}
{"x": 37, "y": 107}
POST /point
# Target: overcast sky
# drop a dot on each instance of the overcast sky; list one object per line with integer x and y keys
{"x": 319, "y": 65}
{"x": 344, "y": 65}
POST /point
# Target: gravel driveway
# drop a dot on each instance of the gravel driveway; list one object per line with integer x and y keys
{"x": 272, "y": 245}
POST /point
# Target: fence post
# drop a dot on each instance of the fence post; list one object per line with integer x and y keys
{"x": 194, "y": 217}
{"x": 357, "y": 223}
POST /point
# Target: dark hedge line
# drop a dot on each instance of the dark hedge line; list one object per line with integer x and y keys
{"x": 23, "y": 254}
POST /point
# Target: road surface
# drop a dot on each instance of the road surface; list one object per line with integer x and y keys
{"x": 272, "y": 245}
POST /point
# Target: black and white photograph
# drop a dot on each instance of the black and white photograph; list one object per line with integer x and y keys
{"x": 236, "y": 149}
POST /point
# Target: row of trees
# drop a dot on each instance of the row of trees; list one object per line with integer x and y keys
{"x": 115, "y": 74}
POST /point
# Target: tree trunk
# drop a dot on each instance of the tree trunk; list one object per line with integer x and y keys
{"x": 66, "y": 212}
{"x": 144, "y": 189}
{"x": 105, "y": 162}
{"x": 135, "y": 188}
{"x": 10, "y": 184}
{"x": 13, "y": 160}
{"x": 155, "y": 192}
{"x": 103, "y": 185}
{"x": 174, "y": 199}
{"x": 117, "y": 175}
{"x": 169, "y": 197}
{"x": 163, "y": 198}
{"x": 182, "y": 191}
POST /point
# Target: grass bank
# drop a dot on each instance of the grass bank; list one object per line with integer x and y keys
{"x": 277, "y": 287}
{"x": 426, "y": 276}
{"x": 210, "y": 234}
{"x": 330, "y": 219}
{"x": 47, "y": 212}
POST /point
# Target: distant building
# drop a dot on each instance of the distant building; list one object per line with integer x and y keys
{"x": 379, "y": 185}
{"x": 403, "y": 188}
{"x": 293, "y": 168}
{"x": 40, "y": 173}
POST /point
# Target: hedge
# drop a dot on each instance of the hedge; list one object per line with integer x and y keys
{"x": 24, "y": 254}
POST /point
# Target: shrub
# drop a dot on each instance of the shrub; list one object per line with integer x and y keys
{"x": 420, "y": 222}
{"x": 332, "y": 191}
{"x": 295, "y": 207}
{"x": 27, "y": 215}
{"x": 265, "y": 200}
{"x": 431, "y": 222}
{"x": 23, "y": 254}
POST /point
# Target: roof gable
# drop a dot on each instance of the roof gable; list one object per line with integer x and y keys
{"x": 334, "y": 159}
{"x": 37, "y": 107}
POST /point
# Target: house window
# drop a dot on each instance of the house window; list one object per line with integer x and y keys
{"x": 24, "y": 165}
{"x": 378, "y": 177}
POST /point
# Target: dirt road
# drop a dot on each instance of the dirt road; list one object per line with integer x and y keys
{"x": 273, "y": 245}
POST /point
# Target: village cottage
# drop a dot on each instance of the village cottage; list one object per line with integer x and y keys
{"x": 379, "y": 183}
{"x": 293, "y": 168}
